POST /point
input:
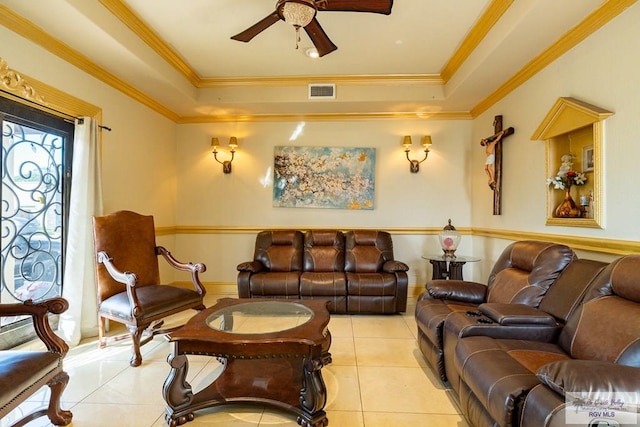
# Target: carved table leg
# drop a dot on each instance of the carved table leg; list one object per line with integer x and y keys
{"x": 439, "y": 269}
{"x": 177, "y": 391}
{"x": 455, "y": 270}
{"x": 313, "y": 395}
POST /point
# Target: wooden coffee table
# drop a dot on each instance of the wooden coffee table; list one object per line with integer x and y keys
{"x": 272, "y": 351}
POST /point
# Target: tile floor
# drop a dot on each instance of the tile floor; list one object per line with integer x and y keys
{"x": 378, "y": 377}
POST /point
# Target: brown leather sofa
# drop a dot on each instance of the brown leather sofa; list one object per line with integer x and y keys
{"x": 520, "y": 321}
{"x": 354, "y": 270}
{"x": 522, "y": 275}
{"x": 594, "y": 358}
{"x": 24, "y": 372}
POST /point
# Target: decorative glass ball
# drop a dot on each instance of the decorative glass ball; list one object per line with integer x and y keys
{"x": 449, "y": 240}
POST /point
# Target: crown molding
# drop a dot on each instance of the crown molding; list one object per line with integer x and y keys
{"x": 30, "y": 31}
{"x": 489, "y": 18}
{"x": 32, "y": 92}
{"x": 128, "y": 17}
{"x": 320, "y": 117}
{"x": 607, "y": 11}
{"x": 353, "y": 80}
{"x": 596, "y": 20}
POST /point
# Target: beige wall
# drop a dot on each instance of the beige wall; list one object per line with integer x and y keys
{"x": 603, "y": 72}
{"x": 154, "y": 166}
{"x": 243, "y": 199}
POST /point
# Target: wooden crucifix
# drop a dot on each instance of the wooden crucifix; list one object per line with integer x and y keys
{"x": 493, "y": 164}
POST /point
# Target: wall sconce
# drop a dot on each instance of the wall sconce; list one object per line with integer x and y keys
{"x": 426, "y": 143}
{"x": 233, "y": 144}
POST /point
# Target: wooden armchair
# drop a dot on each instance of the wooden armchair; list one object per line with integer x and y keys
{"x": 24, "y": 372}
{"x": 128, "y": 279}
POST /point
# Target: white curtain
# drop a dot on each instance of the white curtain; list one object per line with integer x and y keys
{"x": 79, "y": 288}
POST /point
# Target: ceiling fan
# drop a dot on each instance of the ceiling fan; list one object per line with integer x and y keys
{"x": 302, "y": 14}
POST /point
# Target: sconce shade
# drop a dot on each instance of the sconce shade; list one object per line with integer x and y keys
{"x": 426, "y": 142}
{"x": 233, "y": 142}
{"x": 406, "y": 142}
{"x": 214, "y": 143}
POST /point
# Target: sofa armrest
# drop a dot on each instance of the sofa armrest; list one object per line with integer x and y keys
{"x": 458, "y": 290}
{"x": 393, "y": 266}
{"x": 567, "y": 377}
{"x": 516, "y": 314}
{"x": 251, "y": 266}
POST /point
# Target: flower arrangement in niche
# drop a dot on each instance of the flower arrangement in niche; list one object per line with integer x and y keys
{"x": 564, "y": 180}
{"x": 566, "y": 177}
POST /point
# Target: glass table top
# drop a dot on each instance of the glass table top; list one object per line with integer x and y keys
{"x": 458, "y": 258}
{"x": 259, "y": 317}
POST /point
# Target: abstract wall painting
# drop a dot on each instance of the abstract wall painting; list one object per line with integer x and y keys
{"x": 324, "y": 177}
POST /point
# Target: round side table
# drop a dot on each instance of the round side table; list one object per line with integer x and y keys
{"x": 447, "y": 267}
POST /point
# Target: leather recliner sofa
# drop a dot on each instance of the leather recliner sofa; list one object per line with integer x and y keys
{"x": 519, "y": 321}
{"x": 355, "y": 270}
{"x": 595, "y": 357}
{"x": 522, "y": 275}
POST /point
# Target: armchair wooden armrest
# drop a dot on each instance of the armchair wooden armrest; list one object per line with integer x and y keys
{"x": 39, "y": 313}
{"x": 195, "y": 269}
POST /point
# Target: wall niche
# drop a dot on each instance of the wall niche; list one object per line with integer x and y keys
{"x": 574, "y": 128}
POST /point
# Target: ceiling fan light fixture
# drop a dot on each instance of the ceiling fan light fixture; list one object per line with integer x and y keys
{"x": 298, "y": 13}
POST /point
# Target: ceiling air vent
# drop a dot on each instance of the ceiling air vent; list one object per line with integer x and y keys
{"x": 322, "y": 91}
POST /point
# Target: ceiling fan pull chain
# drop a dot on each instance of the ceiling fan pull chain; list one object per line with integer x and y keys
{"x": 297, "y": 35}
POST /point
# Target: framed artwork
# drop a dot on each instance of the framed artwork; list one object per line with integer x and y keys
{"x": 324, "y": 177}
{"x": 587, "y": 158}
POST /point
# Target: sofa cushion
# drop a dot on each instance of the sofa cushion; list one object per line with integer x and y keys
{"x": 525, "y": 271}
{"x": 500, "y": 373}
{"x": 280, "y": 250}
{"x": 367, "y": 250}
{"x": 371, "y": 284}
{"x": 566, "y": 294}
{"x": 324, "y": 283}
{"x": 579, "y": 376}
{"x": 284, "y": 284}
{"x": 323, "y": 251}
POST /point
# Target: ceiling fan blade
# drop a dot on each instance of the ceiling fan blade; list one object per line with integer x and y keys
{"x": 257, "y": 28}
{"x": 319, "y": 38}
{"x": 373, "y": 6}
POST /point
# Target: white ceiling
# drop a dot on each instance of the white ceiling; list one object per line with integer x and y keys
{"x": 180, "y": 54}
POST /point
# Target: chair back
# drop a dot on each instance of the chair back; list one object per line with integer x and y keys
{"x": 130, "y": 240}
{"x": 525, "y": 271}
{"x": 606, "y": 326}
{"x": 280, "y": 250}
{"x": 323, "y": 251}
{"x": 367, "y": 250}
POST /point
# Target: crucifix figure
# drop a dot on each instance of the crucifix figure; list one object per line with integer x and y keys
{"x": 493, "y": 163}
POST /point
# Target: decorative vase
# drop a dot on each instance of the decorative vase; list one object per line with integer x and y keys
{"x": 449, "y": 240}
{"x": 568, "y": 208}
